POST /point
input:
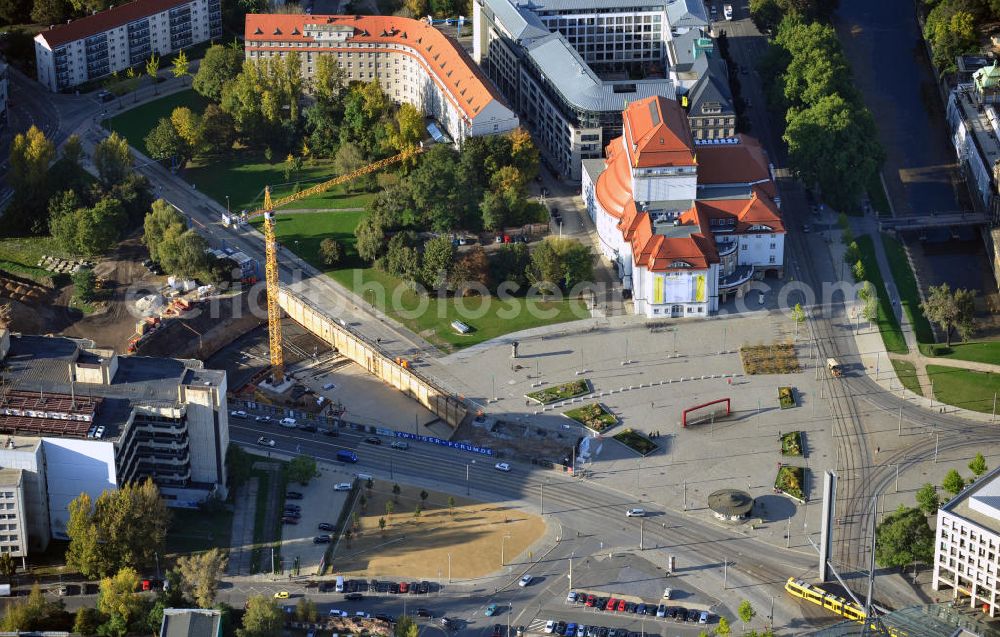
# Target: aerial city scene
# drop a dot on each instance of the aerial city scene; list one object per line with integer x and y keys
{"x": 499, "y": 318}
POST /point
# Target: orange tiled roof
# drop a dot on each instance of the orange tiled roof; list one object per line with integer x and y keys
{"x": 450, "y": 65}
{"x": 657, "y": 133}
{"x": 614, "y": 186}
{"x": 747, "y": 212}
{"x": 104, "y": 20}
{"x": 742, "y": 163}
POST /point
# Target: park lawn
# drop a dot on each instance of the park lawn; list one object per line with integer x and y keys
{"x": 20, "y": 256}
{"x": 976, "y": 351}
{"x": 964, "y": 388}
{"x": 907, "y": 374}
{"x": 908, "y": 291}
{"x": 136, "y": 123}
{"x": 892, "y": 335}
{"x": 192, "y": 531}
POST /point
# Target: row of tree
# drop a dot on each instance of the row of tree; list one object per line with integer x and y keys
{"x": 831, "y": 136}
{"x": 952, "y": 28}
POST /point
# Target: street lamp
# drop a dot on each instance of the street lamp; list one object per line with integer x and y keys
{"x": 227, "y": 205}
{"x": 503, "y": 542}
{"x": 467, "y": 465}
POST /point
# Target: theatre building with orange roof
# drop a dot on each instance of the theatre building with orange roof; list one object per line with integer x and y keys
{"x": 688, "y": 225}
{"x": 412, "y": 61}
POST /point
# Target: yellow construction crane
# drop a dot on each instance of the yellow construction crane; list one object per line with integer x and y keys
{"x": 271, "y": 248}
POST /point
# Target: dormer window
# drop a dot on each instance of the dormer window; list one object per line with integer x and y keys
{"x": 680, "y": 264}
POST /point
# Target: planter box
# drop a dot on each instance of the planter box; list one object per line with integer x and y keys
{"x": 565, "y": 391}
{"x": 790, "y": 481}
{"x": 786, "y": 397}
{"x": 594, "y": 416}
{"x": 791, "y": 443}
{"x": 636, "y": 442}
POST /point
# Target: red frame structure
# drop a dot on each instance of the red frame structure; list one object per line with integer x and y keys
{"x": 684, "y": 418}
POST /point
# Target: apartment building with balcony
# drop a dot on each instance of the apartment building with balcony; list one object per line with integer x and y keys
{"x": 412, "y": 61}
{"x": 70, "y": 54}
{"x": 80, "y": 418}
{"x": 687, "y": 224}
{"x": 570, "y": 67}
{"x": 967, "y": 546}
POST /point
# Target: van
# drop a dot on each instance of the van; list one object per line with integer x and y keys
{"x": 340, "y": 584}
{"x": 346, "y": 455}
{"x": 635, "y": 513}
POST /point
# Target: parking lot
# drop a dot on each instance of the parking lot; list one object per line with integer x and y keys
{"x": 320, "y": 503}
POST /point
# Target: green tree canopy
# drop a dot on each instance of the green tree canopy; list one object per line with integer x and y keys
{"x": 262, "y": 618}
{"x": 927, "y": 499}
{"x": 119, "y": 600}
{"x": 112, "y": 159}
{"x": 978, "y": 465}
{"x": 200, "y": 574}
{"x": 903, "y": 538}
{"x": 953, "y": 482}
{"x": 302, "y": 469}
{"x": 220, "y": 65}
{"x": 951, "y": 310}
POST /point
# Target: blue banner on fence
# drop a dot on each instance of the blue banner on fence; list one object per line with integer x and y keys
{"x": 461, "y": 446}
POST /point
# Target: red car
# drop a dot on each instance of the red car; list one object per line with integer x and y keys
{"x": 403, "y": 587}
{"x": 621, "y": 605}
{"x": 590, "y": 600}
{"x": 612, "y": 603}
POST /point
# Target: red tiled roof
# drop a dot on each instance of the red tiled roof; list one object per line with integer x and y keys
{"x": 100, "y": 22}
{"x": 451, "y": 66}
{"x": 747, "y": 212}
{"x": 614, "y": 186}
{"x": 657, "y": 133}
{"x": 742, "y": 163}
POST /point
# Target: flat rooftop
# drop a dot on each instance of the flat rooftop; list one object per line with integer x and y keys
{"x": 980, "y": 127}
{"x": 980, "y": 503}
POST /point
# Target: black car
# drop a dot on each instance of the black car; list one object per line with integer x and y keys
{"x": 322, "y": 539}
{"x": 561, "y": 628}
{"x": 393, "y": 588}
{"x": 372, "y": 440}
{"x": 693, "y": 615}
{"x": 640, "y": 609}
{"x": 389, "y": 619}
{"x": 425, "y": 587}
{"x": 308, "y": 428}
{"x": 497, "y": 630}
{"x": 288, "y": 520}
{"x": 680, "y": 614}
{"x": 447, "y": 624}
{"x": 293, "y": 495}
{"x": 423, "y": 612}
{"x": 414, "y": 588}
{"x": 292, "y": 514}
{"x": 630, "y": 607}
{"x": 326, "y": 587}
{"x": 351, "y": 586}
{"x": 600, "y": 603}
{"x": 333, "y": 433}
{"x": 293, "y": 507}
{"x": 372, "y": 585}
{"x": 382, "y": 587}
{"x": 325, "y": 526}
{"x": 354, "y": 597}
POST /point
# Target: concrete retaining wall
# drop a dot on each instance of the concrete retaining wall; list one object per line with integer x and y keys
{"x": 447, "y": 407}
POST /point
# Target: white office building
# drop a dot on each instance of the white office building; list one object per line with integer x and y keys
{"x": 126, "y": 35}
{"x": 569, "y": 67}
{"x": 412, "y": 61}
{"x": 82, "y": 419}
{"x": 967, "y": 545}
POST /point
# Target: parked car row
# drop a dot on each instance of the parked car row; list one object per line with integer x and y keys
{"x": 377, "y": 586}
{"x": 572, "y": 629}
{"x": 612, "y": 604}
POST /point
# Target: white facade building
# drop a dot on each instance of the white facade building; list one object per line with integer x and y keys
{"x": 412, "y": 61}
{"x": 967, "y": 545}
{"x": 124, "y": 419}
{"x": 121, "y": 37}
{"x": 686, "y": 225}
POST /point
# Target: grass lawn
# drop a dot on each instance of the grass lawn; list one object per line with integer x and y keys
{"x": 892, "y": 335}
{"x": 21, "y": 255}
{"x": 977, "y": 351}
{"x": 428, "y": 316}
{"x": 136, "y": 123}
{"x": 561, "y": 392}
{"x": 192, "y": 530}
{"x": 907, "y": 374}
{"x": 907, "y": 284}
{"x": 964, "y": 388}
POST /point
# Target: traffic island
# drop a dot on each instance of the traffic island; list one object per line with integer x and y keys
{"x": 773, "y": 358}
{"x": 595, "y": 417}
{"x": 636, "y": 442}
{"x": 565, "y": 391}
{"x": 790, "y": 481}
{"x": 791, "y": 443}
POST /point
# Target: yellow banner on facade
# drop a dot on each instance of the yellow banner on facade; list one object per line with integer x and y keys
{"x": 657, "y": 289}
{"x": 699, "y": 288}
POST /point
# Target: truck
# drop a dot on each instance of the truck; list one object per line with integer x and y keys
{"x": 835, "y": 369}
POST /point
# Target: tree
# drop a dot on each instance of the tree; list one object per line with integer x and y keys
{"x": 181, "y": 65}
{"x": 49, "y": 11}
{"x": 84, "y": 284}
{"x": 978, "y": 465}
{"x": 330, "y": 251}
{"x": 723, "y": 629}
{"x": 112, "y": 159}
{"x": 72, "y": 150}
{"x": 179, "y": 250}
{"x": 328, "y": 80}
{"x": 951, "y": 32}
{"x": 389, "y": 506}
{"x": 439, "y": 256}
{"x": 239, "y": 465}
{"x": 953, "y": 483}
{"x": 14, "y": 11}
{"x": 903, "y": 538}
{"x": 262, "y": 618}
{"x": 153, "y": 70}
{"x": 188, "y": 127}
{"x": 417, "y": 510}
{"x": 88, "y": 231}
{"x": 524, "y": 154}
{"x": 766, "y": 14}
{"x": 8, "y": 568}
{"x": 471, "y": 271}
{"x": 950, "y": 310}
{"x": 409, "y": 129}
{"x": 302, "y": 469}
{"x": 27, "y": 614}
{"x": 86, "y": 621}
{"x": 401, "y": 259}
{"x": 305, "y": 610}
{"x": 164, "y": 143}
{"x": 451, "y": 504}
{"x": 869, "y": 308}
{"x": 406, "y": 627}
{"x": 858, "y": 269}
{"x": 220, "y": 65}
{"x": 381, "y": 524}
{"x": 118, "y": 598}
{"x": 348, "y": 159}
{"x": 83, "y": 551}
{"x": 30, "y": 156}
{"x": 927, "y": 499}
{"x": 217, "y": 130}
{"x": 200, "y": 574}
{"x": 395, "y": 493}
{"x": 370, "y": 239}
{"x": 746, "y": 612}
{"x": 545, "y": 268}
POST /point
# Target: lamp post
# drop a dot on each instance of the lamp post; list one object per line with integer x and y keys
{"x": 227, "y": 205}
{"x": 467, "y": 465}
{"x": 449, "y": 568}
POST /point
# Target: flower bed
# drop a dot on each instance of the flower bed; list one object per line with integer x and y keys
{"x": 593, "y": 416}
{"x": 791, "y": 482}
{"x": 636, "y": 442}
{"x": 791, "y": 443}
{"x": 776, "y": 358}
{"x": 565, "y": 391}
{"x": 786, "y": 397}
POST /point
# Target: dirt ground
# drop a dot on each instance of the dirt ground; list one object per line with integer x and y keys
{"x": 418, "y": 547}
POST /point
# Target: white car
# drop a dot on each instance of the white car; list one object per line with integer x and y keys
{"x": 668, "y": 593}
{"x": 329, "y": 386}
{"x": 288, "y": 423}
{"x": 502, "y": 466}
{"x": 265, "y": 442}
{"x": 526, "y": 580}
{"x": 262, "y": 419}
{"x": 337, "y": 613}
{"x": 550, "y": 627}
{"x": 342, "y": 486}
{"x": 635, "y": 512}
{"x": 571, "y": 596}
{"x": 238, "y": 413}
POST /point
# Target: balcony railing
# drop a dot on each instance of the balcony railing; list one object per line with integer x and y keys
{"x": 740, "y": 275}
